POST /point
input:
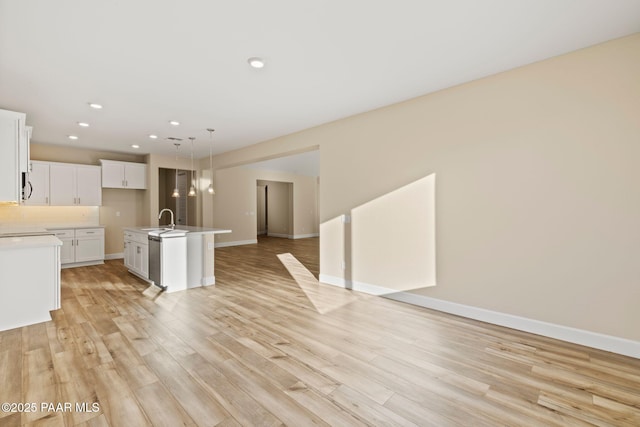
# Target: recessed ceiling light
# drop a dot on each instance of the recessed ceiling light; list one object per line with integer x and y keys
{"x": 256, "y": 62}
{"x": 83, "y": 124}
{"x": 135, "y": 146}
{"x": 153, "y": 136}
{"x": 174, "y": 123}
{"x": 74, "y": 137}
{"x": 95, "y": 106}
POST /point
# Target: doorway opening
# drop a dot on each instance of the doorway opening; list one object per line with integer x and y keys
{"x": 262, "y": 207}
{"x": 274, "y": 209}
{"x": 184, "y": 207}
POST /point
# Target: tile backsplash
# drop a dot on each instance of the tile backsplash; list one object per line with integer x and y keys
{"x": 49, "y": 215}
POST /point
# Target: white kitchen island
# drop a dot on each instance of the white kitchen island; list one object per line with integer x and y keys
{"x": 30, "y": 283}
{"x": 187, "y": 258}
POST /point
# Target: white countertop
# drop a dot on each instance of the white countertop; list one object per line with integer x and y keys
{"x": 10, "y": 243}
{"x": 22, "y": 229}
{"x": 70, "y": 226}
{"x": 40, "y": 229}
{"x": 188, "y": 228}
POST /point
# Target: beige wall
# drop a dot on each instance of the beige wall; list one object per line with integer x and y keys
{"x": 70, "y": 154}
{"x": 537, "y": 201}
{"x": 235, "y": 204}
{"x": 129, "y": 205}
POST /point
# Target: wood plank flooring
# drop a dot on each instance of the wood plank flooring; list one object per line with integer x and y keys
{"x": 255, "y": 351}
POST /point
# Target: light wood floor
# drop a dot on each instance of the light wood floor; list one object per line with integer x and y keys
{"x": 254, "y": 351}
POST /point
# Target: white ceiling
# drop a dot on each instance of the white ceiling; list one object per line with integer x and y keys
{"x": 151, "y": 61}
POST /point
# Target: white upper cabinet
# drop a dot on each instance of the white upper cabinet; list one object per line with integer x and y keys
{"x": 117, "y": 174}
{"x": 74, "y": 185}
{"x": 37, "y": 191}
{"x": 14, "y": 155}
{"x": 62, "y": 184}
{"x": 88, "y": 185}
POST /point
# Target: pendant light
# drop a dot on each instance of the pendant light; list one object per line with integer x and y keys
{"x": 176, "y": 193}
{"x": 192, "y": 189}
{"x": 210, "y": 189}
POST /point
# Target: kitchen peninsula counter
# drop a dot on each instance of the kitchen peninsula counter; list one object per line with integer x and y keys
{"x": 192, "y": 260}
{"x": 30, "y": 285}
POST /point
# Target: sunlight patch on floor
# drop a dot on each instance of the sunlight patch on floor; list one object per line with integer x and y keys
{"x": 324, "y": 298}
{"x": 162, "y": 298}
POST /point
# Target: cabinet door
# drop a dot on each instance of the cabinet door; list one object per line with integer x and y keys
{"x": 135, "y": 176}
{"x": 112, "y": 175}
{"x": 141, "y": 259}
{"x": 39, "y": 179}
{"x": 144, "y": 261}
{"x": 62, "y": 184}
{"x": 89, "y": 244}
{"x": 89, "y": 189}
{"x": 24, "y": 147}
{"x": 129, "y": 251}
{"x": 89, "y": 249}
{"x": 11, "y": 128}
{"x": 137, "y": 258}
{"x": 67, "y": 250}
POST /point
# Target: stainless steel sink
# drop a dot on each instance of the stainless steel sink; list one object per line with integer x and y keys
{"x": 157, "y": 229}
{"x": 167, "y": 232}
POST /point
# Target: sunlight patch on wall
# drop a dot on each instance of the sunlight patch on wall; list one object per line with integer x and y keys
{"x": 387, "y": 244}
{"x": 393, "y": 238}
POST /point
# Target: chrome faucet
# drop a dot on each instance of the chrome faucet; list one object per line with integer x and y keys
{"x": 172, "y": 225}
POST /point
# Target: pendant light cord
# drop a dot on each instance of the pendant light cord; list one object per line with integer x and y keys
{"x": 211, "y": 130}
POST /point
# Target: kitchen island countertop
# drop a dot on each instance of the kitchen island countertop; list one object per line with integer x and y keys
{"x": 189, "y": 228}
{"x": 173, "y": 262}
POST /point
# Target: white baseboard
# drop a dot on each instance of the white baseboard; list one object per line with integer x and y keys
{"x": 284, "y": 236}
{"x": 293, "y": 236}
{"x": 114, "y": 256}
{"x": 208, "y": 281}
{"x": 305, "y": 236}
{"x": 81, "y": 264}
{"x": 236, "y": 243}
{"x": 597, "y": 340}
{"x": 333, "y": 280}
{"x": 355, "y": 286}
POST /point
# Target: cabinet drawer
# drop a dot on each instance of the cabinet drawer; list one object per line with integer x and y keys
{"x": 89, "y": 232}
{"x": 64, "y": 233}
{"x": 142, "y": 238}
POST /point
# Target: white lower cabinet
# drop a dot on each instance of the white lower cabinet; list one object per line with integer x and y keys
{"x": 136, "y": 253}
{"x": 30, "y": 281}
{"x": 68, "y": 250}
{"x": 81, "y": 246}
